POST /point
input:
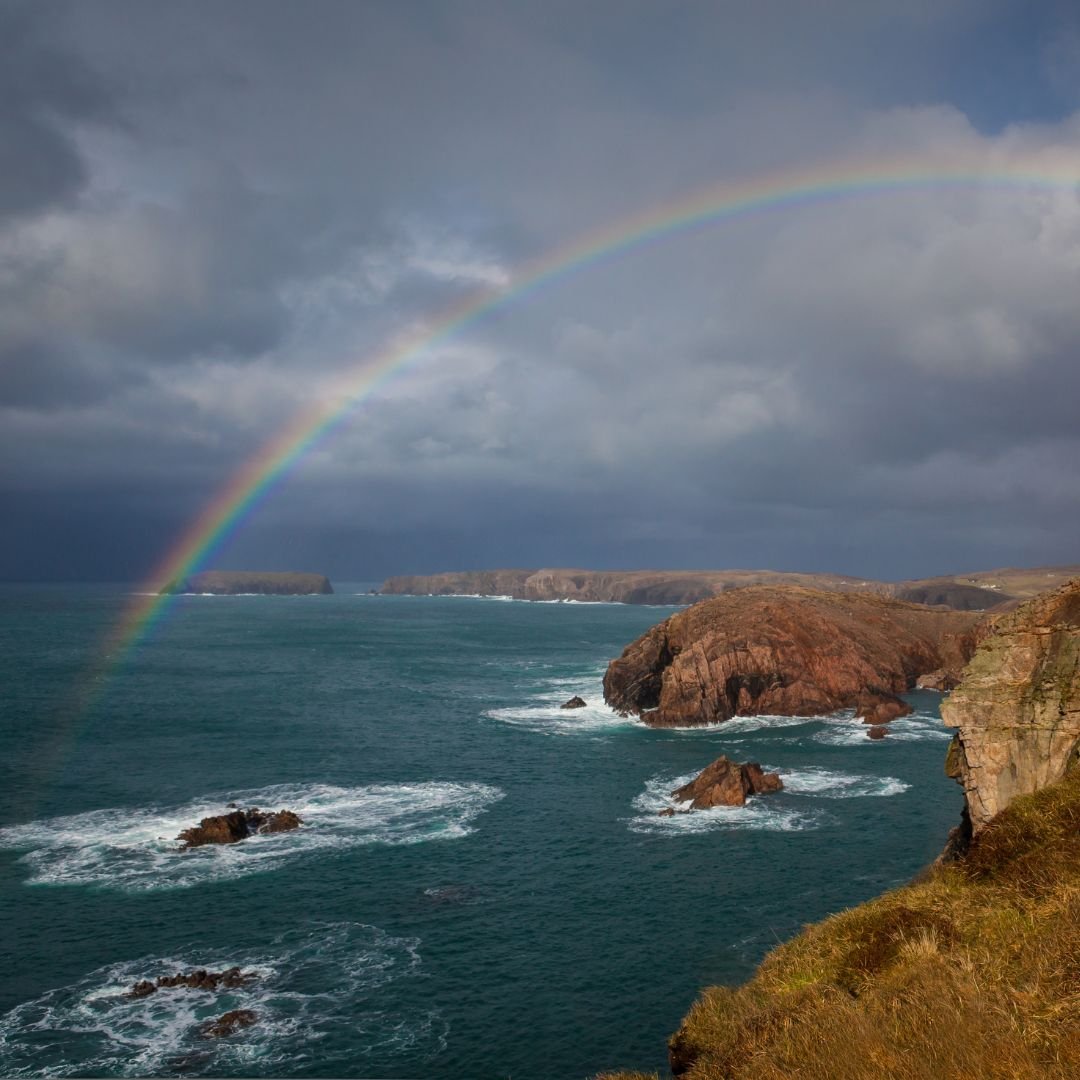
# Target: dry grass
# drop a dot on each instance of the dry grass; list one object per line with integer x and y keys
{"x": 973, "y": 973}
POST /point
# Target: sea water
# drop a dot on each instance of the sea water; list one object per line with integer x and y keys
{"x": 482, "y": 886}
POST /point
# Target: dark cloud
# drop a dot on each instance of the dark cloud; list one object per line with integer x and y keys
{"x": 220, "y": 215}
{"x": 44, "y": 90}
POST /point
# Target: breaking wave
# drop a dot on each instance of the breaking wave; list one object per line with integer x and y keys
{"x": 136, "y": 849}
{"x": 313, "y": 985}
{"x": 545, "y": 714}
{"x": 829, "y": 784}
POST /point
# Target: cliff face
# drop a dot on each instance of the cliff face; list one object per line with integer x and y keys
{"x": 971, "y": 592}
{"x": 233, "y": 582}
{"x": 608, "y": 586}
{"x": 784, "y": 650}
{"x": 1017, "y": 708}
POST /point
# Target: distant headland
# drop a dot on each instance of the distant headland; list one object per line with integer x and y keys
{"x": 235, "y": 582}
{"x": 975, "y": 591}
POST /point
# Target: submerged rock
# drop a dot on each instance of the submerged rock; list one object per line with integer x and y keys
{"x": 574, "y": 703}
{"x": 784, "y": 650}
{"x": 727, "y": 783}
{"x": 238, "y": 825}
{"x": 228, "y": 1024}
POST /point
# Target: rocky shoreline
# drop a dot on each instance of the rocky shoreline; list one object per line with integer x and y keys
{"x": 970, "y": 970}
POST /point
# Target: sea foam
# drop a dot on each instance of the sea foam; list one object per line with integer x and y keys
{"x": 311, "y": 984}
{"x": 136, "y": 849}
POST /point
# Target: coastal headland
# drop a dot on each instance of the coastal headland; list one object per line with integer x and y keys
{"x": 785, "y": 650}
{"x": 971, "y": 970}
{"x": 975, "y": 591}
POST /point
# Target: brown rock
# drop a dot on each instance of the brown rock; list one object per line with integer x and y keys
{"x": 574, "y": 703}
{"x": 199, "y": 979}
{"x": 880, "y": 707}
{"x": 726, "y": 783}
{"x": 877, "y": 732}
{"x": 238, "y": 825}
{"x": 668, "y": 811}
{"x": 941, "y": 680}
{"x": 1017, "y": 709}
{"x": 228, "y": 1024}
{"x": 782, "y": 649}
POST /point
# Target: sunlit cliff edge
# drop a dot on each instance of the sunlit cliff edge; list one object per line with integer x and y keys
{"x": 971, "y": 972}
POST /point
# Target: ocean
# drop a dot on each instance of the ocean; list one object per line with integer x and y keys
{"x": 482, "y": 886}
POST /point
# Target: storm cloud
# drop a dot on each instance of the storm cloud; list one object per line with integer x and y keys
{"x": 213, "y": 216}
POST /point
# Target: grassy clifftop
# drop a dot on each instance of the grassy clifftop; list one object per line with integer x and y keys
{"x": 972, "y": 973}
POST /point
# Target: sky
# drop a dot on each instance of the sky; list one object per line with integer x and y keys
{"x": 213, "y": 213}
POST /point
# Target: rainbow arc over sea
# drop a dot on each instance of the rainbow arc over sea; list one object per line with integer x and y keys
{"x": 1050, "y": 171}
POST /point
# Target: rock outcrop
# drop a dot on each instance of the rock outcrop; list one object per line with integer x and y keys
{"x": 238, "y": 825}
{"x": 877, "y": 707}
{"x": 200, "y": 979}
{"x": 236, "y": 582}
{"x": 1017, "y": 708}
{"x": 783, "y": 650}
{"x": 727, "y": 783}
{"x": 574, "y": 703}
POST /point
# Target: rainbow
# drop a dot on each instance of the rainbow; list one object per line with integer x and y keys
{"x": 1055, "y": 171}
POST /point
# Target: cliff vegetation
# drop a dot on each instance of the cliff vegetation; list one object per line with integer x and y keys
{"x": 970, "y": 974}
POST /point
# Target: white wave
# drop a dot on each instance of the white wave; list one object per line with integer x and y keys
{"x": 742, "y": 725}
{"x": 312, "y": 982}
{"x": 827, "y": 784}
{"x": 760, "y": 813}
{"x": 544, "y": 712}
{"x": 843, "y": 729}
{"x": 135, "y": 849}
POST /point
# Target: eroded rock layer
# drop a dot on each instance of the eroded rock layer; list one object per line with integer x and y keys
{"x": 783, "y": 650}
{"x": 1017, "y": 708}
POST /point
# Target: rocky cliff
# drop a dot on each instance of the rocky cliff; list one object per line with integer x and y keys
{"x": 234, "y": 582}
{"x": 609, "y": 586}
{"x": 977, "y": 591}
{"x": 1017, "y": 708}
{"x": 784, "y": 650}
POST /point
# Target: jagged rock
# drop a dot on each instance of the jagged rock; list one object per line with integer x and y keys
{"x": 878, "y": 707}
{"x": 877, "y": 732}
{"x": 574, "y": 703}
{"x": 1017, "y": 708}
{"x": 200, "y": 979}
{"x": 727, "y": 783}
{"x": 238, "y": 825}
{"x": 784, "y": 650}
{"x": 228, "y": 1024}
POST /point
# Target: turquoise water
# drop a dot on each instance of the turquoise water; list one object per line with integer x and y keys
{"x": 483, "y": 887}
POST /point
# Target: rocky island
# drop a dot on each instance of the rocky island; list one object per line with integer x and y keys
{"x": 785, "y": 650}
{"x": 237, "y": 582}
{"x": 972, "y": 970}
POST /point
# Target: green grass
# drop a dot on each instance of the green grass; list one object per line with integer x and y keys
{"x": 971, "y": 973}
